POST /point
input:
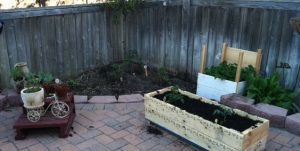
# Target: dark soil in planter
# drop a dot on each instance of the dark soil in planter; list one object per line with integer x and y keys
{"x": 103, "y": 81}
{"x": 206, "y": 111}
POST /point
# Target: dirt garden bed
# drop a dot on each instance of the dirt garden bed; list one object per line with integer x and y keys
{"x": 106, "y": 80}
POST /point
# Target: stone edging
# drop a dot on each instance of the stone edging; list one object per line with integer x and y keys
{"x": 277, "y": 116}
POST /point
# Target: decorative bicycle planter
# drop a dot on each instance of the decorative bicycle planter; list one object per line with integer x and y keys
{"x": 34, "y": 104}
{"x": 201, "y": 131}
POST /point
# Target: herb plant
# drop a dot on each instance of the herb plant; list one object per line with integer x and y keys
{"x": 32, "y": 83}
{"x": 227, "y": 71}
{"x": 268, "y": 90}
{"x": 223, "y": 114}
{"x": 174, "y": 96}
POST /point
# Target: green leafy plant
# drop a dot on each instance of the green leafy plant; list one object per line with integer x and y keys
{"x": 117, "y": 73}
{"x": 227, "y": 71}
{"x": 73, "y": 83}
{"x": 223, "y": 114}
{"x": 17, "y": 74}
{"x": 32, "y": 83}
{"x": 294, "y": 108}
{"x": 268, "y": 90}
{"x": 133, "y": 63}
{"x": 174, "y": 96}
{"x": 123, "y": 7}
{"x": 163, "y": 76}
{"x": 46, "y": 78}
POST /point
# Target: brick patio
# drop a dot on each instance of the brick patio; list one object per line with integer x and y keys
{"x": 106, "y": 127}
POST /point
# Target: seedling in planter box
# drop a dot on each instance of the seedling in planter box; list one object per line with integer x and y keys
{"x": 223, "y": 113}
{"x": 174, "y": 96}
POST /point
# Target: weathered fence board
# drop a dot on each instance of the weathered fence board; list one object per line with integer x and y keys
{"x": 69, "y": 40}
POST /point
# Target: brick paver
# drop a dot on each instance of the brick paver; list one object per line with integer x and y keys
{"x": 113, "y": 127}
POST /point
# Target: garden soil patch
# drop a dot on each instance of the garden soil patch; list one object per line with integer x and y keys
{"x": 206, "y": 111}
{"x": 105, "y": 80}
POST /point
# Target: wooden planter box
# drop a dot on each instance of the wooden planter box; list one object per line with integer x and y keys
{"x": 213, "y": 88}
{"x": 204, "y": 133}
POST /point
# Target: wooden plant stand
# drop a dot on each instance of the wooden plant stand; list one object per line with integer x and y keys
{"x": 47, "y": 121}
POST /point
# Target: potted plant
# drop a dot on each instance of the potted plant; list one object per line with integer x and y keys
{"x": 204, "y": 122}
{"x": 61, "y": 89}
{"x": 47, "y": 81}
{"x": 33, "y": 94}
{"x": 228, "y": 77}
{"x": 17, "y": 76}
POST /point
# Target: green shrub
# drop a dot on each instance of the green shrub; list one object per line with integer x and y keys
{"x": 17, "y": 74}
{"x": 45, "y": 78}
{"x": 117, "y": 73}
{"x": 268, "y": 90}
{"x": 163, "y": 76}
{"x": 227, "y": 71}
{"x": 73, "y": 83}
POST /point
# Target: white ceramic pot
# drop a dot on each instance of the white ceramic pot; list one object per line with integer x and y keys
{"x": 33, "y": 100}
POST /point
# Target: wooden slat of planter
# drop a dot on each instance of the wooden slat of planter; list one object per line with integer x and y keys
{"x": 168, "y": 121}
{"x": 248, "y": 59}
{"x": 213, "y": 136}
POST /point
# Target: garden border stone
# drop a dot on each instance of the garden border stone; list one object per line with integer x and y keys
{"x": 130, "y": 98}
{"x": 80, "y": 99}
{"x": 103, "y": 99}
{"x": 275, "y": 114}
{"x": 3, "y": 101}
{"x": 234, "y": 100}
{"x": 13, "y": 98}
{"x": 292, "y": 123}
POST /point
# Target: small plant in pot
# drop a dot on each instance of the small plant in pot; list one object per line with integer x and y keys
{"x": 33, "y": 94}
{"x": 47, "y": 81}
{"x": 18, "y": 78}
{"x": 61, "y": 89}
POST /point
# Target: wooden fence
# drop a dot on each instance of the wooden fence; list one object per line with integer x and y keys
{"x": 70, "y": 40}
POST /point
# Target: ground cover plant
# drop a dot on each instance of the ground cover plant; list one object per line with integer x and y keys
{"x": 268, "y": 90}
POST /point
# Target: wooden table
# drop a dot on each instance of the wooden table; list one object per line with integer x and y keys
{"x": 47, "y": 120}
